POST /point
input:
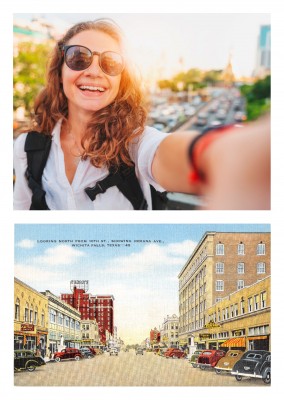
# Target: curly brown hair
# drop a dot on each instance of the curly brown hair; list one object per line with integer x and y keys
{"x": 110, "y": 129}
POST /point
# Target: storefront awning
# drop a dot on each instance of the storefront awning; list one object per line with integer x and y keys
{"x": 235, "y": 342}
{"x": 257, "y": 337}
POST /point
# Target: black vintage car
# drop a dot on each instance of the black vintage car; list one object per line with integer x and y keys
{"x": 26, "y": 360}
{"x": 254, "y": 364}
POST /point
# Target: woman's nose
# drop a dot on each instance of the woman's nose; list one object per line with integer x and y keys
{"x": 95, "y": 68}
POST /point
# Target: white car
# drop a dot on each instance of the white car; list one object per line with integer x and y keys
{"x": 113, "y": 352}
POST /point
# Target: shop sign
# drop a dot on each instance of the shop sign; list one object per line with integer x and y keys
{"x": 203, "y": 336}
{"x": 238, "y": 333}
{"x": 211, "y": 324}
{"x": 27, "y": 327}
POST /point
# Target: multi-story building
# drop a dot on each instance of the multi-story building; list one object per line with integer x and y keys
{"x": 92, "y": 307}
{"x": 263, "y": 59}
{"x": 90, "y": 332}
{"x": 64, "y": 326}
{"x": 155, "y": 337}
{"x": 30, "y": 318}
{"x": 240, "y": 320}
{"x": 170, "y": 330}
{"x": 221, "y": 263}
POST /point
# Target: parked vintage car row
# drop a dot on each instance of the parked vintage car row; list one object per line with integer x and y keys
{"x": 251, "y": 363}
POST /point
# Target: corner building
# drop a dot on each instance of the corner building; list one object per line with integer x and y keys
{"x": 221, "y": 263}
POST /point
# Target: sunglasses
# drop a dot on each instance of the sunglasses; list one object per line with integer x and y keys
{"x": 79, "y": 58}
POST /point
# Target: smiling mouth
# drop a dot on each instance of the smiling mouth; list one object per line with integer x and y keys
{"x": 92, "y": 88}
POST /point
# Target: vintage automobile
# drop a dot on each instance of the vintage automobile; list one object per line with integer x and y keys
{"x": 86, "y": 352}
{"x": 88, "y": 348}
{"x": 174, "y": 353}
{"x": 139, "y": 350}
{"x": 227, "y": 362}
{"x": 69, "y": 353}
{"x": 113, "y": 351}
{"x": 254, "y": 364}
{"x": 194, "y": 357}
{"x": 209, "y": 358}
{"x": 27, "y": 360}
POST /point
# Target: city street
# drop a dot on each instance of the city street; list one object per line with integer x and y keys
{"x": 127, "y": 369}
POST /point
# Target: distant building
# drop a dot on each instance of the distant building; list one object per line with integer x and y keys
{"x": 263, "y": 57}
{"x": 90, "y": 332}
{"x": 92, "y": 307}
{"x": 169, "y": 331}
{"x": 155, "y": 337}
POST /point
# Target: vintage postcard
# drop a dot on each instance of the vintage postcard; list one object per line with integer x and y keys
{"x": 142, "y": 305}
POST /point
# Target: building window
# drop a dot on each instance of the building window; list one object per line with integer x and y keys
{"x": 42, "y": 319}
{"x": 219, "y": 286}
{"x": 236, "y": 310}
{"x": 260, "y": 269}
{"x": 242, "y": 304}
{"x": 60, "y": 319}
{"x": 256, "y": 302}
{"x": 241, "y": 249}
{"x": 250, "y": 304}
{"x": 240, "y": 284}
{"x": 35, "y": 316}
{"x": 241, "y": 268}
{"x": 220, "y": 249}
{"x": 260, "y": 250}
{"x": 17, "y": 310}
{"x": 219, "y": 268}
{"x": 52, "y": 316}
{"x": 263, "y": 299}
{"x": 27, "y": 313}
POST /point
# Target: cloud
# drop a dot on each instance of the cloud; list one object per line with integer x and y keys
{"x": 26, "y": 244}
{"x": 152, "y": 256}
{"x": 59, "y": 255}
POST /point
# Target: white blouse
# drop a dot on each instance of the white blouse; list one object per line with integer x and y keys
{"x": 61, "y": 195}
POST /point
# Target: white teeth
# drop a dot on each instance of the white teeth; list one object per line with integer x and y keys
{"x": 93, "y": 88}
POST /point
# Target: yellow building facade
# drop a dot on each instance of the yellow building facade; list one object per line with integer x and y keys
{"x": 240, "y": 320}
{"x": 30, "y": 318}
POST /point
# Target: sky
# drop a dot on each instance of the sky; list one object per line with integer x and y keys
{"x": 164, "y": 44}
{"x": 137, "y": 264}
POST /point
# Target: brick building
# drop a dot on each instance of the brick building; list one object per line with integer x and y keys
{"x": 221, "y": 263}
{"x": 92, "y": 307}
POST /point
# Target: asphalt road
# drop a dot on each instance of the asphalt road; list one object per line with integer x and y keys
{"x": 127, "y": 369}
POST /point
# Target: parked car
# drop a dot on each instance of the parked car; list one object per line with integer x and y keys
{"x": 174, "y": 353}
{"x": 227, "y": 362}
{"x": 86, "y": 352}
{"x": 113, "y": 351}
{"x": 27, "y": 360}
{"x": 88, "y": 348}
{"x": 194, "y": 357}
{"x": 202, "y": 119}
{"x": 69, "y": 353}
{"x": 139, "y": 350}
{"x": 254, "y": 364}
{"x": 209, "y": 358}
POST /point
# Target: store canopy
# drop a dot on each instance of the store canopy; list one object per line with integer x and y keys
{"x": 257, "y": 337}
{"x": 235, "y": 342}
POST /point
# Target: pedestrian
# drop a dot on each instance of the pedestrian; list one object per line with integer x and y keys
{"x": 102, "y": 155}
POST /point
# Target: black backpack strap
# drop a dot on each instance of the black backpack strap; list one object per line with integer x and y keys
{"x": 126, "y": 181}
{"x": 37, "y": 147}
{"x": 159, "y": 199}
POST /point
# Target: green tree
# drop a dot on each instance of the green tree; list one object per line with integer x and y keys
{"x": 257, "y": 97}
{"x": 29, "y": 73}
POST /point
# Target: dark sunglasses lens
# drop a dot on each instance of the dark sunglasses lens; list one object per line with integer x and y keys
{"x": 78, "y": 58}
{"x": 111, "y": 63}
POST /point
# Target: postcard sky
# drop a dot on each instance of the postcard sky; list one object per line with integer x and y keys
{"x": 141, "y": 273}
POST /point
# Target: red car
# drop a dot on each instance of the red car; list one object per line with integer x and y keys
{"x": 69, "y": 353}
{"x": 209, "y": 358}
{"x": 174, "y": 353}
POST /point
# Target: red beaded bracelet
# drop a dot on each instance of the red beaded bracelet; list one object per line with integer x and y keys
{"x": 197, "y": 147}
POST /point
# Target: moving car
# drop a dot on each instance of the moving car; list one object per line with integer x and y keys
{"x": 175, "y": 353}
{"x": 69, "y": 353}
{"x": 139, "y": 350}
{"x": 209, "y": 358}
{"x": 113, "y": 352}
{"x": 227, "y": 362}
{"x": 27, "y": 360}
{"x": 254, "y": 364}
{"x": 194, "y": 357}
